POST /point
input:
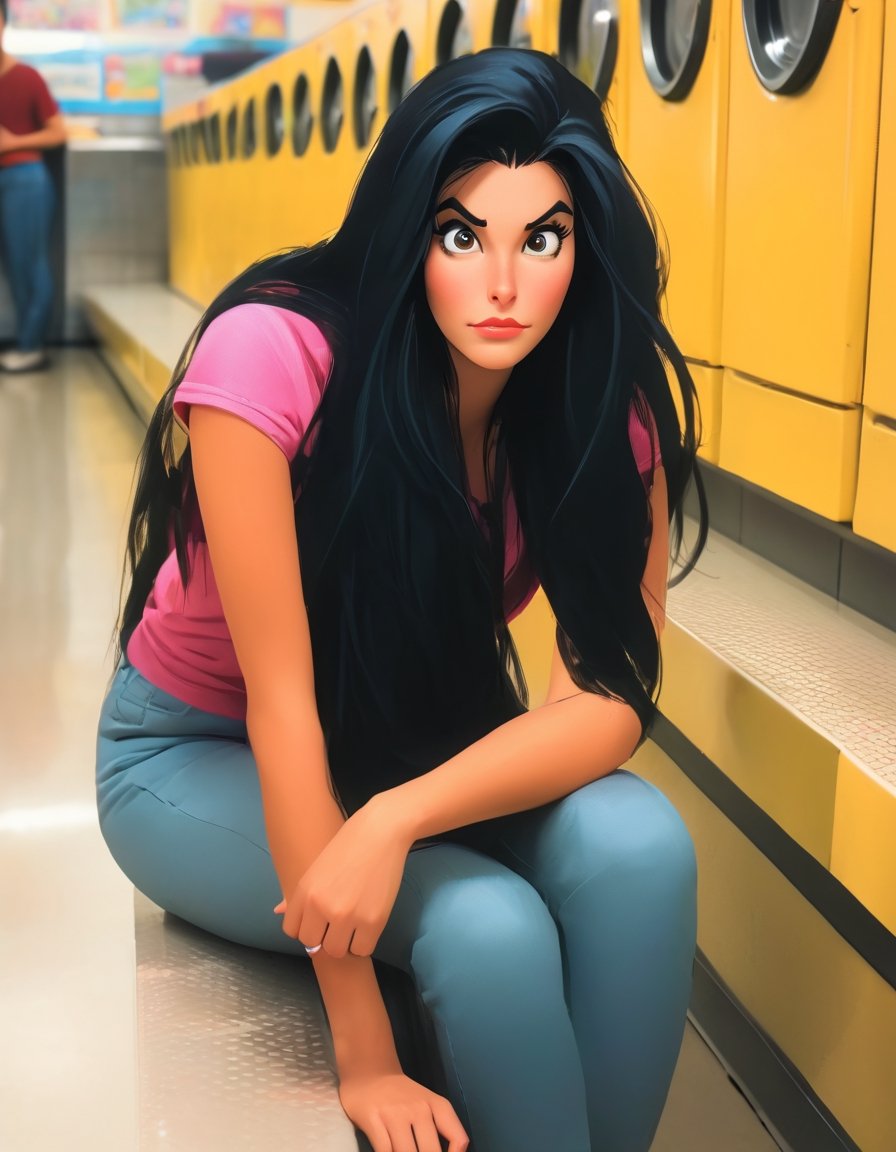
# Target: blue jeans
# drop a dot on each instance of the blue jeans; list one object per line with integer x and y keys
{"x": 26, "y": 217}
{"x": 556, "y": 965}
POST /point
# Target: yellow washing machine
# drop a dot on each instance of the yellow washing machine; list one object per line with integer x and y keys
{"x": 211, "y": 189}
{"x": 677, "y": 116}
{"x": 803, "y": 119}
{"x": 391, "y": 47}
{"x": 875, "y": 512}
{"x": 591, "y": 41}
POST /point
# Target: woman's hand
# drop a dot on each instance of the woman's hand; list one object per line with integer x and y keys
{"x": 344, "y": 899}
{"x": 399, "y": 1115}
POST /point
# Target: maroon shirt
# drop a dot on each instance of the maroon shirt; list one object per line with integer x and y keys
{"x": 25, "y": 106}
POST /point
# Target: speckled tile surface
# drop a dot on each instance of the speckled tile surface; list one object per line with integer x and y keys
{"x": 233, "y": 1049}
{"x": 833, "y": 666}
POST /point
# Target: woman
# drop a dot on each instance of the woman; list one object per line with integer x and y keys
{"x": 30, "y": 122}
{"x": 394, "y": 437}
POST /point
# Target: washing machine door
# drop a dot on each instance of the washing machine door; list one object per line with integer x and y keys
{"x": 455, "y": 36}
{"x": 589, "y": 41}
{"x": 511, "y": 25}
{"x": 673, "y": 43}
{"x": 789, "y": 39}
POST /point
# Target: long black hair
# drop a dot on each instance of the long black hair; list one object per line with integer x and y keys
{"x": 413, "y": 657}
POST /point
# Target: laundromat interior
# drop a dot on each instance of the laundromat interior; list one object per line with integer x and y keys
{"x": 762, "y": 133}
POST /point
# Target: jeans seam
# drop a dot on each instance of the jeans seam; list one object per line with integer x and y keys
{"x": 199, "y": 819}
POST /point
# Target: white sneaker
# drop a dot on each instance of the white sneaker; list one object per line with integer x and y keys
{"x": 17, "y": 361}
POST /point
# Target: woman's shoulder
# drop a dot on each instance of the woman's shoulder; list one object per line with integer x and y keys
{"x": 262, "y": 362}
{"x": 281, "y": 329}
{"x": 25, "y": 75}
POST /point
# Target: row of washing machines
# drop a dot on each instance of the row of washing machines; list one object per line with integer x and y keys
{"x": 763, "y": 132}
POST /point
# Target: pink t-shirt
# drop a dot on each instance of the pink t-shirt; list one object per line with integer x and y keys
{"x": 266, "y": 365}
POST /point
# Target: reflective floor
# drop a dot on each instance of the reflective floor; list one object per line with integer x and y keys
{"x": 123, "y": 1030}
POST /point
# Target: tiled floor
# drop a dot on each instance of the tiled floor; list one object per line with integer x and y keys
{"x": 121, "y": 1032}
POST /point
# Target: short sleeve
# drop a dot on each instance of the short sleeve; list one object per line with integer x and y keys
{"x": 644, "y": 440}
{"x": 265, "y": 364}
{"x": 44, "y": 103}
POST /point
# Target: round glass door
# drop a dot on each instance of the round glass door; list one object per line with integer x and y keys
{"x": 302, "y": 116}
{"x": 673, "y": 43}
{"x": 512, "y": 24}
{"x": 365, "y": 103}
{"x": 455, "y": 37}
{"x": 274, "y": 123}
{"x": 332, "y": 106}
{"x": 789, "y": 39}
{"x": 589, "y": 41}
{"x": 401, "y": 70}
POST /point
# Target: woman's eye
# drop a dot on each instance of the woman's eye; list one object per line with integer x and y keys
{"x": 544, "y": 243}
{"x": 459, "y": 240}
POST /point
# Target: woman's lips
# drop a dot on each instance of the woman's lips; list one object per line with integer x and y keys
{"x": 495, "y": 329}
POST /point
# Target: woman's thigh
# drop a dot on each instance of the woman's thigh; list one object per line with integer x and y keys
{"x": 180, "y": 809}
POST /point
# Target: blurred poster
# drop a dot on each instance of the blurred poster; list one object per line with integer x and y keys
{"x": 267, "y": 22}
{"x": 151, "y": 13}
{"x": 74, "y": 81}
{"x": 80, "y": 15}
{"x": 133, "y": 78}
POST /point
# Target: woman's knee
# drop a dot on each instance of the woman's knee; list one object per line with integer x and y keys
{"x": 624, "y": 827}
{"x": 488, "y": 934}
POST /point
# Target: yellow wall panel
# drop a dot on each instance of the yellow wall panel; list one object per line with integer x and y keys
{"x": 533, "y": 633}
{"x": 880, "y": 367}
{"x": 863, "y": 854}
{"x": 804, "y": 450}
{"x": 708, "y": 382}
{"x": 825, "y": 1007}
{"x": 875, "y": 514}
{"x": 769, "y": 752}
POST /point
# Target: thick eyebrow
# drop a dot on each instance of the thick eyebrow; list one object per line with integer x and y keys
{"x": 451, "y": 202}
{"x": 454, "y": 203}
{"x": 560, "y": 206}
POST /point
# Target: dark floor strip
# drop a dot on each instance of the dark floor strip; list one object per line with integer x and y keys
{"x": 762, "y": 1071}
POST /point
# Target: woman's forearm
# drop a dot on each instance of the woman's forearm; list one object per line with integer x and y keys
{"x": 43, "y": 138}
{"x": 301, "y": 817}
{"x": 301, "y": 814}
{"x": 529, "y": 761}
{"x": 362, "y": 1032}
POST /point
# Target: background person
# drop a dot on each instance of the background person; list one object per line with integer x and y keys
{"x": 30, "y": 122}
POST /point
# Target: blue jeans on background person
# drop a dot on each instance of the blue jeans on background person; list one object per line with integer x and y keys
{"x": 556, "y": 966}
{"x": 27, "y": 201}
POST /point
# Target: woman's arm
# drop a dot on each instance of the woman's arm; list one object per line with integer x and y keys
{"x": 50, "y": 136}
{"x": 248, "y": 517}
{"x": 573, "y": 738}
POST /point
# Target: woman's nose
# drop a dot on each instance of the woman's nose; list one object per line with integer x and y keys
{"x": 501, "y": 282}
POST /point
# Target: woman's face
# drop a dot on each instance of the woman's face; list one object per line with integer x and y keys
{"x": 502, "y": 250}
